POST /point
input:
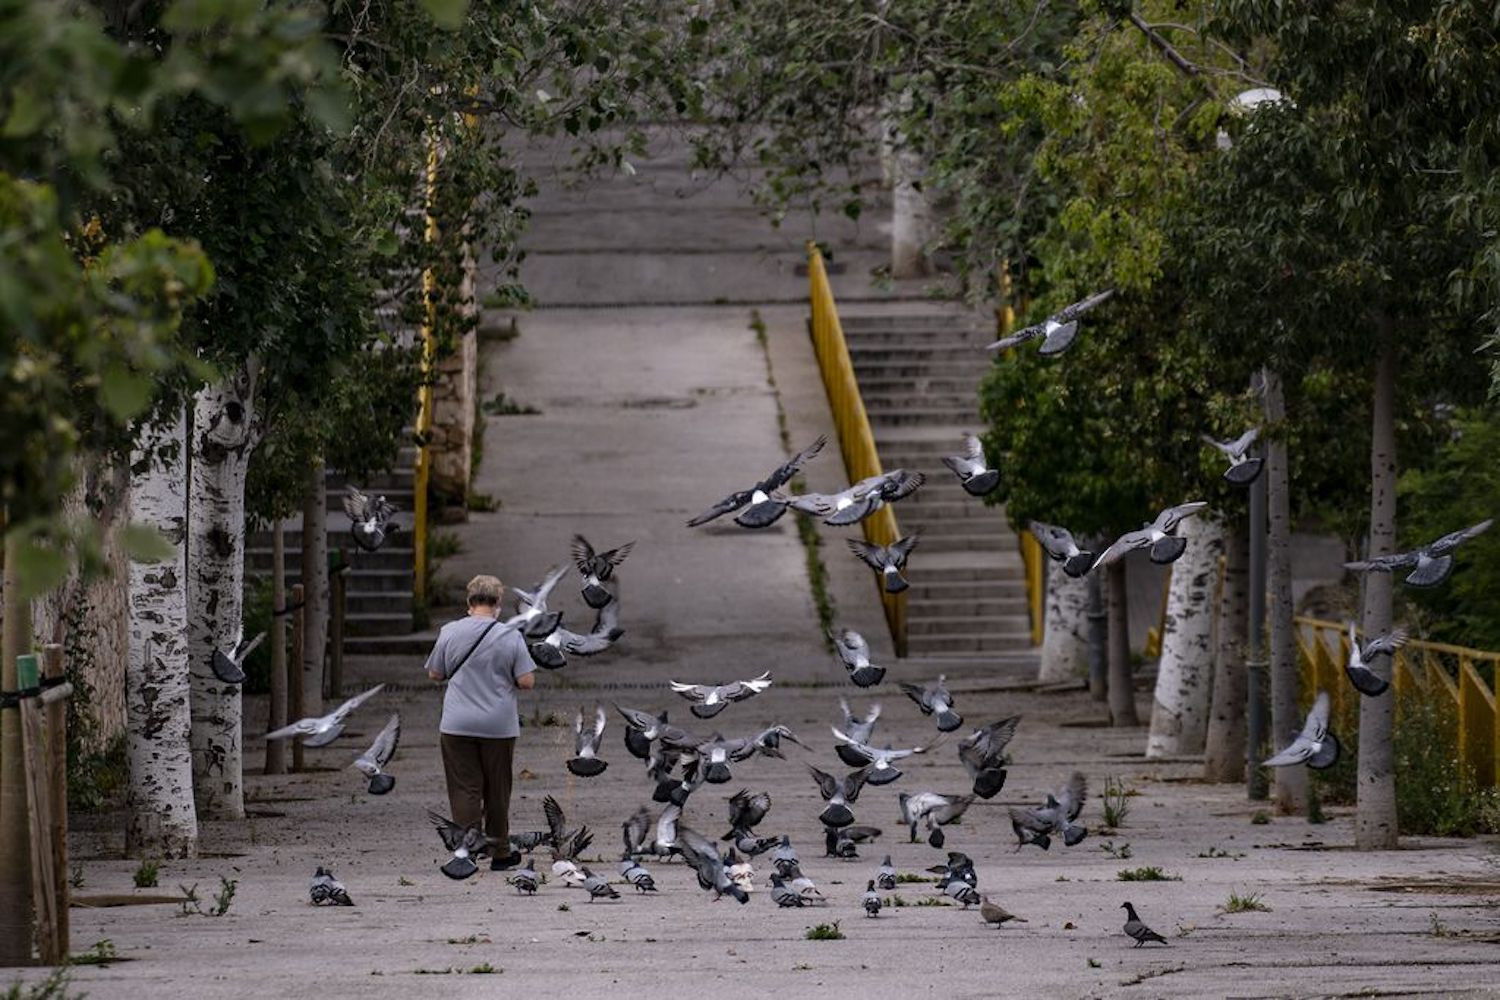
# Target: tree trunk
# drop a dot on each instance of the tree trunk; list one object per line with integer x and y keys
{"x": 1184, "y": 674}
{"x": 1224, "y": 749}
{"x": 1375, "y": 826}
{"x": 224, "y": 433}
{"x": 1097, "y": 616}
{"x": 910, "y": 211}
{"x": 1065, "y": 640}
{"x": 276, "y": 715}
{"x": 1286, "y": 715}
{"x": 15, "y": 833}
{"x": 314, "y": 586}
{"x": 162, "y": 821}
{"x": 1121, "y": 681}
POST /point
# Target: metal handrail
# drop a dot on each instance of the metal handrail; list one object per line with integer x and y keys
{"x": 852, "y": 423}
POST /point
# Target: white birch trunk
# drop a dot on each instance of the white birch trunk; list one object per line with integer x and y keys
{"x": 1065, "y": 636}
{"x": 911, "y": 217}
{"x": 1224, "y": 751}
{"x": 162, "y": 821}
{"x": 224, "y": 433}
{"x": 1184, "y": 674}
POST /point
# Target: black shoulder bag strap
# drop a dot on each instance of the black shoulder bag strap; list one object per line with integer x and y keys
{"x": 470, "y": 653}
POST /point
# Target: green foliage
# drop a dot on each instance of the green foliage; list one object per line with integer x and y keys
{"x": 825, "y": 932}
{"x": 1120, "y": 853}
{"x": 102, "y": 953}
{"x": 1260, "y": 818}
{"x": 190, "y": 903}
{"x": 1248, "y": 903}
{"x": 1116, "y": 801}
{"x": 1148, "y": 873}
{"x": 146, "y": 874}
{"x": 54, "y": 987}
{"x": 1436, "y": 792}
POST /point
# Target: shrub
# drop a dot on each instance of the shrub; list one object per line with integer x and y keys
{"x": 145, "y": 874}
{"x": 1249, "y": 902}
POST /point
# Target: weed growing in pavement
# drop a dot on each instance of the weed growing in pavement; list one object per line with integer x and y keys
{"x": 145, "y": 874}
{"x": 1249, "y": 902}
{"x": 1116, "y": 808}
{"x": 1148, "y": 873}
{"x": 825, "y": 932}
{"x": 1120, "y": 853}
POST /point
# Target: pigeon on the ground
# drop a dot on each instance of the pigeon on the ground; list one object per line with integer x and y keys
{"x": 887, "y": 560}
{"x": 783, "y": 895}
{"x": 1432, "y": 563}
{"x": 709, "y": 699}
{"x": 804, "y": 887}
{"x": 524, "y": 879}
{"x": 838, "y": 793}
{"x": 585, "y": 761}
{"x": 854, "y": 651}
{"x": 1160, "y": 536}
{"x": 784, "y": 857}
{"x": 326, "y": 890}
{"x": 698, "y": 851}
{"x": 1243, "y": 468}
{"x": 764, "y": 511}
{"x": 1137, "y": 930}
{"x": 597, "y": 568}
{"x": 958, "y": 868}
{"x": 1057, "y": 331}
{"x": 741, "y": 872}
{"x": 996, "y": 915}
{"x": 976, "y": 477}
{"x": 372, "y": 762}
{"x": 230, "y": 667}
{"x": 636, "y": 875}
{"x": 1056, "y": 815}
{"x": 532, "y": 616}
{"x": 860, "y": 500}
{"x": 597, "y": 886}
{"x": 636, "y": 832}
{"x": 324, "y": 729}
{"x": 369, "y": 518}
{"x": 466, "y": 843}
{"x": 934, "y": 811}
{"x": 1365, "y": 680}
{"x": 884, "y": 771}
{"x": 746, "y": 810}
{"x": 962, "y": 892}
{"x": 1315, "y": 746}
{"x": 521, "y": 843}
{"x": 859, "y": 729}
{"x": 843, "y": 842}
{"x": 983, "y": 755}
{"x": 553, "y": 650}
{"x": 886, "y": 876}
{"x": 935, "y": 700}
{"x": 870, "y": 900}
{"x": 1061, "y": 546}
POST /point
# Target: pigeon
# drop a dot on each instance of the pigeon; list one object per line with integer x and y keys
{"x": 870, "y": 900}
{"x": 371, "y": 762}
{"x": 838, "y": 793}
{"x": 763, "y": 510}
{"x": 230, "y": 667}
{"x": 466, "y": 843}
{"x": 1159, "y": 536}
{"x": 886, "y": 876}
{"x": 1243, "y": 468}
{"x": 935, "y": 811}
{"x": 958, "y": 868}
{"x": 750, "y": 845}
{"x": 859, "y": 501}
{"x": 1060, "y": 546}
{"x": 552, "y": 651}
{"x": 996, "y": 915}
{"x": 768, "y": 741}
{"x": 804, "y": 887}
{"x": 983, "y": 755}
{"x": 532, "y": 616}
{"x": 887, "y": 560}
{"x": 1057, "y": 331}
{"x": 324, "y": 729}
{"x": 676, "y": 791}
{"x": 1365, "y": 680}
{"x": 854, "y": 651}
{"x": 859, "y": 729}
{"x": 740, "y": 871}
{"x": 784, "y": 896}
{"x": 524, "y": 879}
{"x": 636, "y": 875}
{"x": 1138, "y": 930}
{"x": 326, "y": 890}
{"x": 1055, "y": 815}
{"x": 843, "y": 842}
{"x": 1433, "y": 562}
{"x": 529, "y": 841}
{"x": 784, "y": 858}
{"x": 369, "y": 518}
{"x": 699, "y": 852}
{"x": 746, "y": 810}
{"x": 585, "y": 761}
{"x": 598, "y": 886}
{"x": 666, "y": 842}
{"x": 977, "y": 478}
{"x": 709, "y": 700}
{"x": 597, "y": 569}
{"x": 647, "y": 728}
{"x": 883, "y": 772}
{"x": 1315, "y": 746}
{"x": 716, "y": 753}
{"x": 962, "y": 892}
{"x": 566, "y": 844}
{"x": 636, "y": 832}
{"x": 935, "y": 700}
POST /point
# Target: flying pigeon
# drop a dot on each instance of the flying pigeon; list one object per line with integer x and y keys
{"x": 783, "y": 895}
{"x": 870, "y": 900}
{"x": 585, "y": 761}
{"x": 1054, "y": 816}
{"x": 709, "y": 700}
{"x": 646, "y": 728}
{"x": 597, "y": 569}
{"x": 369, "y": 518}
{"x": 1315, "y": 746}
{"x": 838, "y": 793}
{"x": 466, "y": 843}
{"x": 764, "y": 510}
{"x": 935, "y": 811}
{"x": 1137, "y": 930}
{"x": 996, "y": 915}
{"x": 552, "y": 651}
{"x": 935, "y": 699}
{"x": 1365, "y": 680}
{"x": 976, "y": 477}
{"x": 1433, "y": 562}
{"x": 886, "y": 876}
{"x": 326, "y": 890}
{"x": 373, "y": 760}
{"x": 887, "y": 560}
{"x": 532, "y": 616}
{"x": 746, "y": 810}
{"x": 716, "y": 753}
{"x": 983, "y": 755}
{"x": 883, "y": 772}
{"x": 854, "y": 651}
{"x": 598, "y": 886}
{"x": 750, "y": 845}
{"x": 741, "y": 872}
{"x": 230, "y": 667}
{"x": 324, "y": 729}
{"x": 666, "y": 842}
{"x": 1060, "y": 546}
{"x": 698, "y": 851}
{"x": 1159, "y": 536}
{"x": 566, "y": 844}
{"x": 843, "y": 842}
{"x": 636, "y": 832}
{"x": 859, "y": 501}
{"x": 677, "y": 790}
{"x": 524, "y": 879}
{"x": 1243, "y": 469}
{"x": 859, "y": 729}
{"x": 1057, "y": 331}
{"x": 963, "y": 893}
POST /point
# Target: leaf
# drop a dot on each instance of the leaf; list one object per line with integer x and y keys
{"x": 123, "y": 392}
{"x": 145, "y": 544}
{"x": 447, "y": 14}
{"x": 330, "y": 107}
{"x": 39, "y": 568}
{"x": 27, "y": 113}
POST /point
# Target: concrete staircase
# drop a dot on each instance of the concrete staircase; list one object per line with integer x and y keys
{"x": 919, "y": 375}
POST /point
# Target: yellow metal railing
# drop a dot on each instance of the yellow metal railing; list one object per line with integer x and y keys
{"x": 1451, "y": 674}
{"x": 852, "y": 423}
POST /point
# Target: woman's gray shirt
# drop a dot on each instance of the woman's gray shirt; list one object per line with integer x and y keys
{"x": 481, "y": 698}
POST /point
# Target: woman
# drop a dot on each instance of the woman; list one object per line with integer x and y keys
{"x": 484, "y": 665}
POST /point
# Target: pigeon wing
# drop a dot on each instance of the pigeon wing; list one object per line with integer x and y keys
{"x": 1082, "y": 306}
{"x": 1019, "y": 337}
{"x": 1387, "y": 643}
{"x": 1168, "y": 519}
{"x": 871, "y": 555}
{"x": 384, "y": 747}
{"x": 728, "y": 505}
{"x": 583, "y": 554}
{"x": 901, "y": 547}
{"x": 356, "y": 504}
{"x": 342, "y": 712}
{"x": 828, "y": 785}
{"x": 1070, "y": 797}
{"x": 617, "y": 555}
{"x": 788, "y": 469}
{"x": 692, "y": 692}
{"x": 1451, "y": 541}
{"x": 1125, "y": 543}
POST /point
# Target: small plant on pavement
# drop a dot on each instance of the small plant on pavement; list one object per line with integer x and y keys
{"x": 145, "y": 874}
{"x": 1148, "y": 873}
{"x": 1116, "y": 806}
{"x": 1249, "y": 902}
{"x": 825, "y": 932}
{"x": 1121, "y": 853}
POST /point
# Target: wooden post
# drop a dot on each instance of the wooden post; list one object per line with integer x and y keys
{"x": 36, "y": 764}
{"x": 339, "y": 584}
{"x": 57, "y": 737}
{"x": 276, "y": 749}
{"x": 15, "y": 886}
{"x": 296, "y": 674}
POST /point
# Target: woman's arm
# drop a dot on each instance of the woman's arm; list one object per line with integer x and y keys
{"x": 526, "y": 682}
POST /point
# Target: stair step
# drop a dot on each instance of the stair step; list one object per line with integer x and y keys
{"x": 956, "y": 416}
{"x": 379, "y": 601}
{"x": 390, "y": 623}
{"x": 936, "y": 527}
{"x": 931, "y": 587}
{"x": 258, "y": 559}
{"x": 999, "y": 604}
{"x": 874, "y": 387}
{"x": 962, "y": 624}
{"x": 397, "y": 581}
{"x": 970, "y": 542}
{"x": 969, "y": 642}
{"x": 413, "y": 645}
{"x": 914, "y": 367}
{"x": 904, "y": 352}
{"x": 338, "y": 537}
{"x": 916, "y": 400}
{"x": 909, "y": 321}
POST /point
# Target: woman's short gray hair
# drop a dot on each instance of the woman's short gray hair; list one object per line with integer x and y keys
{"x": 484, "y": 589}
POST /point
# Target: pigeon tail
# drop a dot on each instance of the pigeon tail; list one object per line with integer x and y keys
{"x": 895, "y": 583}
{"x": 547, "y": 656}
{"x": 1327, "y": 755}
{"x": 1244, "y": 473}
{"x": 586, "y": 767}
{"x": 1060, "y": 338}
{"x": 836, "y": 815}
{"x": 1168, "y": 549}
{"x": 226, "y": 669}
{"x": 596, "y": 596}
{"x": 740, "y": 895}
{"x": 884, "y": 776}
{"x": 987, "y": 783}
{"x": 543, "y": 625}
{"x": 1077, "y": 565}
{"x": 703, "y": 711}
{"x": 637, "y": 744}
{"x": 459, "y": 869}
{"x": 936, "y": 837}
{"x": 1366, "y": 683}
{"x": 761, "y": 515}
{"x": 1431, "y": 572}
{"x": 1073, "y": 834}
{"x": 982, "y": 484}
{"x": 380, "y": 784}
{"x": 949, "y": 720}
{"x": 868, "y": 676}
{"x": 716, "y": 773}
